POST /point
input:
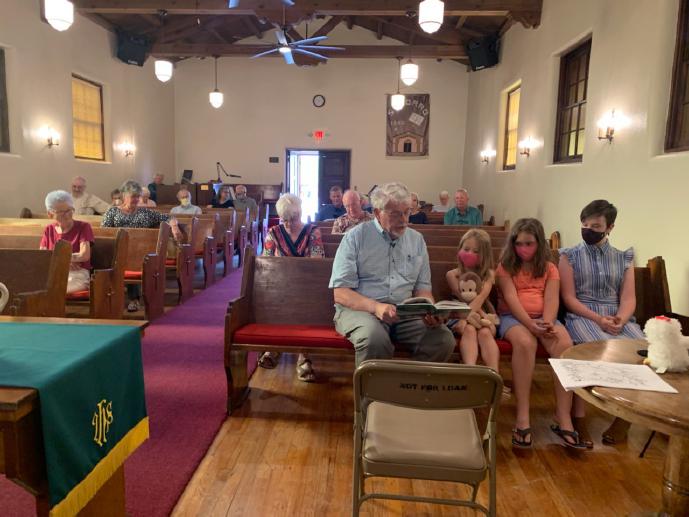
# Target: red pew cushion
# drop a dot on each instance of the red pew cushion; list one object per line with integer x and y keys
{"x": 79, "y": 295}
{"x": 132, "y": 275}
{"x": 290, "y": 335}
{"x": 170, "y": 262}
{"x": 506, "y": 348}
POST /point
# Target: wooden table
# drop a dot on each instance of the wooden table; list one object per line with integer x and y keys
{"x": 21, "y": 439}
{"x": 663, "y": 412}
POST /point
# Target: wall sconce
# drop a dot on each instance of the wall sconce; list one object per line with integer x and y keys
{"x": 487, "y": 154}
{"x": 609, "y": 123}
{"x": 51, "y": 136}
{"x": 526, "y": 146}
{"x": 128, "y": 149}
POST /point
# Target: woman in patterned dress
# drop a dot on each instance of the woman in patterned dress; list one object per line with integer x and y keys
{"x": 292, "y": 238}
{"x": 597, "y": 287}
{"x": 130, "y": 215}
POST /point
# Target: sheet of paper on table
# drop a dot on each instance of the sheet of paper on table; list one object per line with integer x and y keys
{"x": 580, "y": 374}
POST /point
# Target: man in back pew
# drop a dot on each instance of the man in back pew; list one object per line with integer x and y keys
{"x": 379, "y": 264}
{"x": 355, "y": 213}
{"x": 85, "y": 203}
{"x": 60, "y": 207}
{"x": 462, "y": 213}
{"x": 185, "y": 206}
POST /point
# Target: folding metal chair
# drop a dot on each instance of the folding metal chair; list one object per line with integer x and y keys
{"x": 417, "y": 420}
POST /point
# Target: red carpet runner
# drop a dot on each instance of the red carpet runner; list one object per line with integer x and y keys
{"x": 185, "y": 396}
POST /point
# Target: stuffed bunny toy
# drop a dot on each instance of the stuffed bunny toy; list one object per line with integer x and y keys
{"x": 667, "y": 347}
{"x": 4, "y": 296}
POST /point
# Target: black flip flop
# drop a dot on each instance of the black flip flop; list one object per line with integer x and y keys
{"x": 563, "y": 434}
{"x": 522, "y": 443}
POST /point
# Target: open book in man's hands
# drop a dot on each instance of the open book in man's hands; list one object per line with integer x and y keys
{"x": 420, "y": 306}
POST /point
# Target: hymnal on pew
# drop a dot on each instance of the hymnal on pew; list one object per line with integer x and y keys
{"x": 575, "y": 374}
{"x": 420, "y": 306}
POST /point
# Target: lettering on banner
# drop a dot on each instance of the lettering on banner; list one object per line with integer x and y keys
{"x": 101, "y": 421}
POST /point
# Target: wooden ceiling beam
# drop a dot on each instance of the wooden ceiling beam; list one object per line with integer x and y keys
{"x": 328, "y": 26}
{"x": 443, "y": 35}
{"x": 379, "y": 29}
{"x": 251, "y": 24}
{"x": 351, "y": 51}
{"x": 526, "y": 12}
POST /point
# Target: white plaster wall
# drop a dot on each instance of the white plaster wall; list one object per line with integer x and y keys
{"x": 268, "y": 109}
{"x": 631, "y": 68}
{"x": 40, "y": 62}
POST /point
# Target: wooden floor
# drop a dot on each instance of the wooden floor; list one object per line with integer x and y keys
{"x": 288, "y": 451}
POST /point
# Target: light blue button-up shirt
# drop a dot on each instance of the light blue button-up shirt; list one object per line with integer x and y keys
{"x": 369, "y": 262}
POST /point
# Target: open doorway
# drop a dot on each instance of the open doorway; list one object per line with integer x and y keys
{"x": 311, "y": 173}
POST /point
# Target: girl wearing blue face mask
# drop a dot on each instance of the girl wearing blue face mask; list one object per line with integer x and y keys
{"x": 597, "y": 288}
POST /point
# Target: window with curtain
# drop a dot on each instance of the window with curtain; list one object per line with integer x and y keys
{"x": 509, "y": 160}
{"x": 571, "y": 105}
{"x": 4, "y": 112}
{"x": 87, "y": 117}
{"x": 677, "y": 135}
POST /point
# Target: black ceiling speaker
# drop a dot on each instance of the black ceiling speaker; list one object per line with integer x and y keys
{"x": 131, "y": 48}
{"x": 483, "y": 53}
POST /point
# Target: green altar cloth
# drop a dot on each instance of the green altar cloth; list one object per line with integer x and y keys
{"x": 91, "y": 391}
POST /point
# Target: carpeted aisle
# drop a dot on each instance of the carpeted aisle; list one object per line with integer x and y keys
{"x": 185, "y": 397}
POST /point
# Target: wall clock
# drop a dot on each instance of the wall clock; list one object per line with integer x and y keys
{"x": 318, "y": 101}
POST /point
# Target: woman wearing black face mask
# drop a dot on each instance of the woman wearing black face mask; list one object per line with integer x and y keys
{"x": 597, "y": 287}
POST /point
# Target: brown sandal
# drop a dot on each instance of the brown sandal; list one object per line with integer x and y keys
{"x": 617, "y": 432}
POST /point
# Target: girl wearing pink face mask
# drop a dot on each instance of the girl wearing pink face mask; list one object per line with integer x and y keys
{"x": 475, "y": 255}
{"x": 529, "y": 290}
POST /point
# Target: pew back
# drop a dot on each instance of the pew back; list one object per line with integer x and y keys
{"x": 36, "y": 280}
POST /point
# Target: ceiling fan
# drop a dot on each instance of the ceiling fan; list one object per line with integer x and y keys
{"x": 235, "y": 3}
{"x": 286, "y": 47}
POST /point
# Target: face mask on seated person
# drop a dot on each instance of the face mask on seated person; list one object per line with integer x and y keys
{"x": 468, "y": 258}
{"x": 526, "y": 253}
{"x": 185, "y": 201}
{"x": 591, "y": 237}
{"x": 241, "y": 196}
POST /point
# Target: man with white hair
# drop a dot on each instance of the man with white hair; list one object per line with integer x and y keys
{"x": 85, "y": 203}
{"x": 462, "y": 213}
{"x": 444, "y": 205}
{"x": 355, "y": 213}
{"x": 378, "y": 265}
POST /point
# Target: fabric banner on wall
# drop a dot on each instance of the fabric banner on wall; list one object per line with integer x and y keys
{"x": 407, "y": 129}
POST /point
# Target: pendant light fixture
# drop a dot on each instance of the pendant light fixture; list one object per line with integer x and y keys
{"x": 409, "y": 72}
{"x": 163, "y": 67}
{"x": 397, "y": 100}
{"x": 59, "y": 14}
{"x": 431, "y": 15}
{"x": 163, "y": 70}
{"x": 216, "y": 97}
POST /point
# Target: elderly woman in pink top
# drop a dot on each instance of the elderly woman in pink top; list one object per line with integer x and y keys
{"x": 79, "y": 234}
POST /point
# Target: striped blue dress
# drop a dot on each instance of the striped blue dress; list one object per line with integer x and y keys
{"x": 598, "y": 274}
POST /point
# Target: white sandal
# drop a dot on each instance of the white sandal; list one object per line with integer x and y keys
{"x": 305, "y": 372}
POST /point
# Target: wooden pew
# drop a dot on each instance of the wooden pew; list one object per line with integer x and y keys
{"x": 225, "y": 235}
{"x": 180, "y": 258}
{"x": 434, "y": 239}
{"x": 203, "y": 243}
{"x": 246, "y": 230}
{"x": 144, "y": 264}
{"x": 108, "y": 256}
{"x": 36, "y": 280}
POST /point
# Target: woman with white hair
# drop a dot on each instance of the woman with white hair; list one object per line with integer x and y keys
{"x": 60, "y": 207}
{"x": 146, "y": 201}
{"x": 292, "y": 238}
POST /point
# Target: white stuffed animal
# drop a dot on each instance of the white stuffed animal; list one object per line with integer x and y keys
{"x": 4, "y": 296}
{"x": 667, "y": 347}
